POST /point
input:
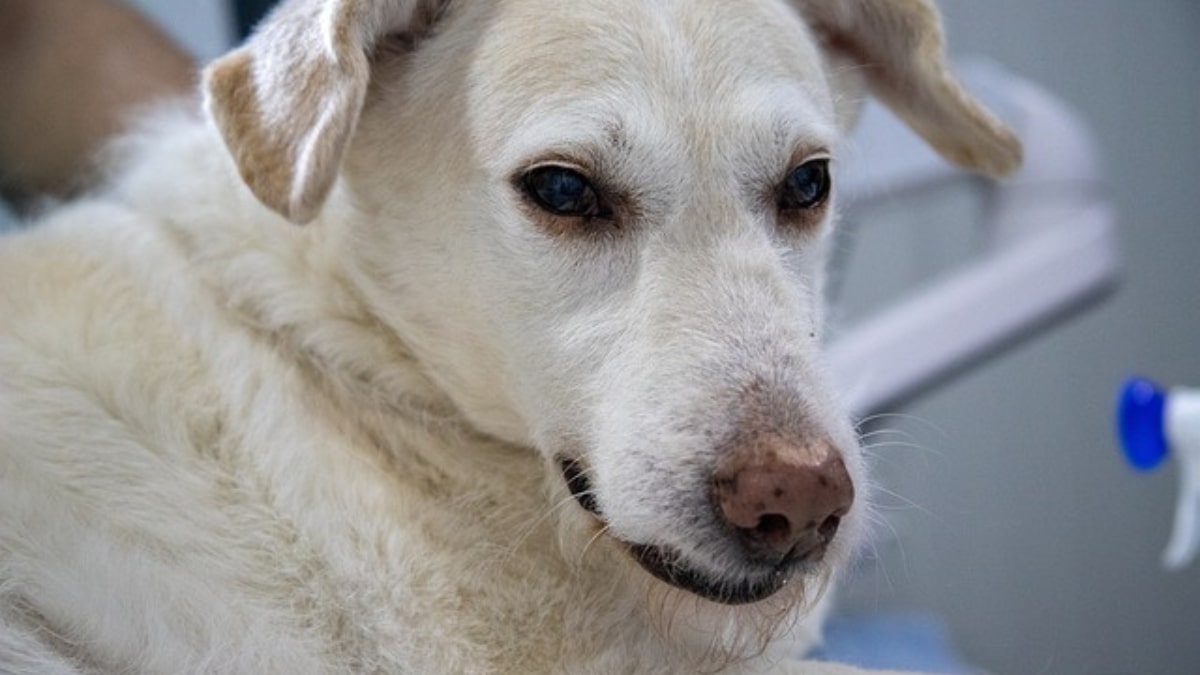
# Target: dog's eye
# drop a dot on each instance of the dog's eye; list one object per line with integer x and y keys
{"x": 563, "y": 192}
{"x": 806, "y": 186}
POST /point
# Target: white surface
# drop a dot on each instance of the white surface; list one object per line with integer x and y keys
{"x": 1183, "y": 437}
{"x": 1050, "y": 244}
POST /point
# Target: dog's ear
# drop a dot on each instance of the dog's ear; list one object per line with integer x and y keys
{"x": 288, "y": 101}
{"x": 898, "y": 46}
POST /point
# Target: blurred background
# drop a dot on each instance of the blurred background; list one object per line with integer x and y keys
{"x": 1010, "y": 516}
{"x": 1017, "y": 521}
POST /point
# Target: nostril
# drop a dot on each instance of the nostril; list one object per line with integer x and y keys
{"x": 773, "y": 526}
{"x": 829, "y": 528}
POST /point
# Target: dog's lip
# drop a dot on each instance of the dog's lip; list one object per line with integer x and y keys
{"x": 668, "y": 565}
{"x": 579, "y": 485}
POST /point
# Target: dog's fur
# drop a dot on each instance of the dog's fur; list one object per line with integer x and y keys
{"x": 230, "y": 443}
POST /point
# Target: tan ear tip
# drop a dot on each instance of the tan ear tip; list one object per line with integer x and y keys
{"x": 1007, "y": 155}
{"x": 996, "y": 152}
{"x": 231, "y": 102}
{"x": 222, "y": 78}
{"x": 300, "y": 213}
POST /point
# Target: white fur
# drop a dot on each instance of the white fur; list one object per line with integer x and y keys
{"x": 232, "y": 444}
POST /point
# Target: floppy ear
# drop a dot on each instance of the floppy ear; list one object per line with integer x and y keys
{"x": 898, "y": 44}
{"x": 288, "y": 101}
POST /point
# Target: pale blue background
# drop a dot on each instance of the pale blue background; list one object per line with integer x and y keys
{"x": 1027, "y": 533}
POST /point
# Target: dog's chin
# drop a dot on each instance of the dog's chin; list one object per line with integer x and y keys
{"x": 671, "y": 567}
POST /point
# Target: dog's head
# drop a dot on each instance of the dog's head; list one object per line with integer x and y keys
{"x": 601, "y": 225}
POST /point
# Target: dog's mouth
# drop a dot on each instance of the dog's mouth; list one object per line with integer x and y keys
{"x": 668, "y": 565}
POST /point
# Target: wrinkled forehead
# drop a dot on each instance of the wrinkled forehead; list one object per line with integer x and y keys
{"x": 688, "y": 72}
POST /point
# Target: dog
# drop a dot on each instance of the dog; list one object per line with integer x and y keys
{"x": 456, "y": 336}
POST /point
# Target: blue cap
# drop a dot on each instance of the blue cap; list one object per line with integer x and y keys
{"x": 1140, "y": 408}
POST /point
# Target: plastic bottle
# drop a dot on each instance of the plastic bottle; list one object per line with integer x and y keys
{"x": 1152, "y": 425}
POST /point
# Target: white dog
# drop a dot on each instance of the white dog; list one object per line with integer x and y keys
{"x": 537, "y": 388}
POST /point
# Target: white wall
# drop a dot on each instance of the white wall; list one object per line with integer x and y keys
{"x": 1026, "y": 530}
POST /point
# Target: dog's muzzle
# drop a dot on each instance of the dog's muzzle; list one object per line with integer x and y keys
{"x": 778, "y": 516}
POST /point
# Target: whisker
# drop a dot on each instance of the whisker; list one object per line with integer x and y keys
{"x": 923, "y": 421}
{"x": 588, "y": 546}
{"x": 872, "y": 447}
{"x": 906, "y": 503}
{"x": 879, "y": 561}
{"x": 537, "y": 522}
{"x": 887, "y": 431}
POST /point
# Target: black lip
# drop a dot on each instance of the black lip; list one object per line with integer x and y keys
{"x": 668, "y": 565}
{"x": 579, "y": 485}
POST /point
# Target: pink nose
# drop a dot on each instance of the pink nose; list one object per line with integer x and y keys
{"x": 783, "y": 501}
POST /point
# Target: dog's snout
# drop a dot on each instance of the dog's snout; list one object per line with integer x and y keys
{"x": 784, "y": 502}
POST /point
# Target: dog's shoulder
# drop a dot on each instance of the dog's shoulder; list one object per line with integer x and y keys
{"x": 180, "y": 484}
{"x": 148, "y": 436}
{"x": 107, "y": 404}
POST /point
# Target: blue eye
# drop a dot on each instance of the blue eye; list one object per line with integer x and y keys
{"x": 563, "y": 192}
{"x": 806, "y": 186}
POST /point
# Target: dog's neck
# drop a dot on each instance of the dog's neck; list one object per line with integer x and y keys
{"x": 286, "y": 284}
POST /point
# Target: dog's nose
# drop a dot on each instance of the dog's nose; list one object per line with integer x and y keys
{"x": 783, "y": 502}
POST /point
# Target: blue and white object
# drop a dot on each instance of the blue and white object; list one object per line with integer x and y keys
{"x": 1154, "y": 424}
